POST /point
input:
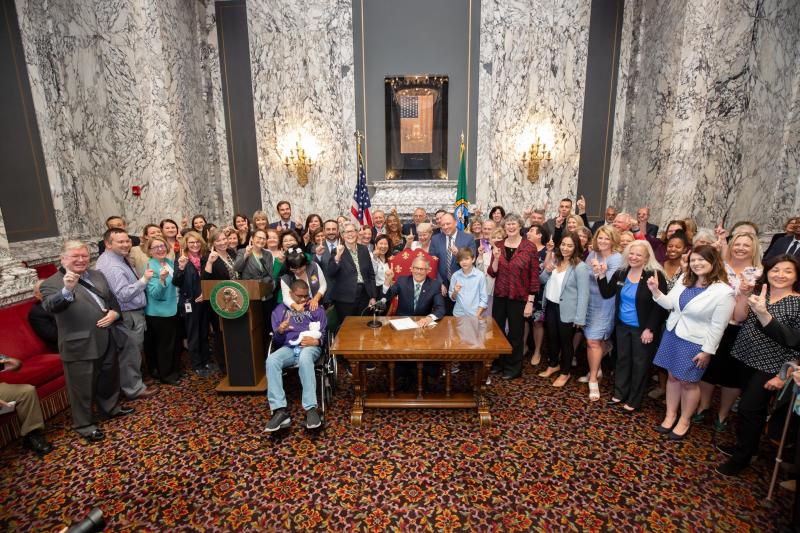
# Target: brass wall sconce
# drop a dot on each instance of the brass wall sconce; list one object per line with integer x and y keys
{"x": 298, "y": 162}
{"x": 533, "y": 157}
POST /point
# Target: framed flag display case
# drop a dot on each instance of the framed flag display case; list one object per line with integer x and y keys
{"x": 416, "y": 127}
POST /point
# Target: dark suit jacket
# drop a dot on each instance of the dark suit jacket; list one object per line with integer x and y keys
{"x": 439, "y": 249}
{"x": 101, "y": 245}
{"x": 781, "y": 246}
{"x": 430, "y": 301}
{"x": 651, "y": 230}
{"x": 218, "y": 269}
{"x": 44, "y": 325}
{"x": 649, "y": 314}
{"x": 79, "y": 338}
{"x": 188, "y": 283}
{"x": 344, "y": 276}
{"x": 247, "y": 268}
{"x": 279, "y": 226}
{"x": 410, "y": 226}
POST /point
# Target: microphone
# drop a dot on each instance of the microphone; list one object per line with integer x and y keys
{"x": 377, "y": 307}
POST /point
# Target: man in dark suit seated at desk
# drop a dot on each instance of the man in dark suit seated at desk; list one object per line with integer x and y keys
{"x": 417, "y": 295}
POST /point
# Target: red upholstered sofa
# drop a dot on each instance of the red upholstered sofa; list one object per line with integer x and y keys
{"x": 40, "y": 367}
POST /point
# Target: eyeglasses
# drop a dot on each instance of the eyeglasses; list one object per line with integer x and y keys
{"x": 158, "y": 248}
{"x": 420, "y": 269}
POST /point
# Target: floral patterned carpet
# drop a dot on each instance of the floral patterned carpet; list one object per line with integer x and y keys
{"x": 189, "y": 459}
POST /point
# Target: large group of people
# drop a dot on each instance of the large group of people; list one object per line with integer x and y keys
{"x": 684, "y": 304}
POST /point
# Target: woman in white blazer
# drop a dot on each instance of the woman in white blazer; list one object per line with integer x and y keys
{"x": 700, "y": 305}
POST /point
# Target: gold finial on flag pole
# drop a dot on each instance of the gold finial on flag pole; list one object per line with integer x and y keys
{"x": 462, "y": 136}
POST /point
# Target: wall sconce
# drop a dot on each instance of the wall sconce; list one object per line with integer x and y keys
{"x": 299, "y": 161}
{"x": 533, "y": 157}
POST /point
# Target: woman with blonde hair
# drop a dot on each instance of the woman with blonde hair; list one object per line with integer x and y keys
{"x": 600, "y": 313}
{"x": 260, "y": 220}
{"x": 195, "y": 313}
{"x": 139, "y": 255}
{"x": 743, "y": 267}
{"x": 638, "y": 320}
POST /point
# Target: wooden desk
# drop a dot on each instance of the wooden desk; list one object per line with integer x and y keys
{"x": 454, "y": 339}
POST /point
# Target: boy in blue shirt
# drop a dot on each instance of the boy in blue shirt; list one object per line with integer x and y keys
{"x": 468, "y": 286}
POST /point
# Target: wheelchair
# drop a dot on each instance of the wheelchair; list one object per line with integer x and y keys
{"x": 325, "y": 373}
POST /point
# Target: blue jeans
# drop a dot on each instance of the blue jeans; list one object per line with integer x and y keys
{"x": 282, "y": 358}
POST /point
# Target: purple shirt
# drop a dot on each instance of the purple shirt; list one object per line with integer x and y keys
{"x": 298, "y": 323}
{"x": 122, "y": 281}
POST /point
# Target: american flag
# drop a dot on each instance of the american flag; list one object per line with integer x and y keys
{"x": 361, "y": 204}
{"x": 416, "y": 124}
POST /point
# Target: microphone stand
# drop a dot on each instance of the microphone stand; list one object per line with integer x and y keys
{"x": 374, "y": 323}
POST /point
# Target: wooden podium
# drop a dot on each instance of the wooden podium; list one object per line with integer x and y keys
{"x": 243, "y": 337}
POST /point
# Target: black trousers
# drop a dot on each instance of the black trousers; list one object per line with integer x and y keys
{"x": 559, "y": 338}
{"x": 506, "y": 309}
{"x": 161, "y": 333}
{"x": 633, "y": 364}
{"x": 752, "y": 413}
{"x": 196, "y": 325}
{"x": 354, "y": 308}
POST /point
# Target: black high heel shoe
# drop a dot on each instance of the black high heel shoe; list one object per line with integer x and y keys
{"x": 664, "y": 431}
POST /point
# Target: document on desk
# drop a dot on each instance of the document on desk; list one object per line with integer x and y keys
{"x": 401, "y": 324}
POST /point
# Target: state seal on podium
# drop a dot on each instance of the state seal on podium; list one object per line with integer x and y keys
{"x": 229, "y": 299}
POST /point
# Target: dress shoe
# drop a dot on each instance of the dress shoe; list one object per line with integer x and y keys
{"x": 730, "y": 468}
{"x": 664, "y": 431}
{"x": 170, "y": 381}
{"x": 674, "y": 436}
{"x": 509, "y": 376}
{"x": 146, "y": 393}
{"x": 35, "y": 441}
{"x": 123, "y": 411}
{"x": 94, "y": 436}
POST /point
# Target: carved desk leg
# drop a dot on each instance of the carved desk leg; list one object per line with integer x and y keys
{"x": 358, "y": 403}
{"x": 480, "y": 392}
{"x": 419, "y": 380}
{"x": 391, "y": 379}
{"x": 447, "y": 375}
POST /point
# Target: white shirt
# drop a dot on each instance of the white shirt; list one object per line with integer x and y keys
{"x": 552, "y": 290}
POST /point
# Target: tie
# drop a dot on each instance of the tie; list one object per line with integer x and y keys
{"x": 417, "y": 290}
{"x": 449, "y": 258}
{"x": 794, "y": 248}
{"x": 331, "y": 247}
{"x": 285, "y": 225}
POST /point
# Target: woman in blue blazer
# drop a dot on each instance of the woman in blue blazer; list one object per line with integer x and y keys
{"x": 566, "y": 292}
{"x": 161, "y": 312}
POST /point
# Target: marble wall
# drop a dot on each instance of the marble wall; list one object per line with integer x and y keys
{"x": 122, "y": 92}
{"x": 302, "y": 69}
{"x": 708, "y": 111}
{"x": 533, "y": 70}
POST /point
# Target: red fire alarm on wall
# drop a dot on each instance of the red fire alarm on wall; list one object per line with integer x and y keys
{"x": 136, "y": 190}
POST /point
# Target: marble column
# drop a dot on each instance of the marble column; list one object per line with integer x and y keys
{"x": 16, "y": 281}
{"x": 707, "y": 111}
{"x": 533, "y": 68}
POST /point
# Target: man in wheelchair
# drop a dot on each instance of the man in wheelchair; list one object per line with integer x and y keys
{"x": 299, "y": 333}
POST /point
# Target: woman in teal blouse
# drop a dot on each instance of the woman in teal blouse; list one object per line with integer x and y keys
{"x": 161, "y": 312}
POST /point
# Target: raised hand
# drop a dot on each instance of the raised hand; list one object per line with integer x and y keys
{"x": 185, "y": 222}
{"x": 652, "y": 284}
{"x": 320, "y": 250}
{"x": 162, "y": 275}
{"x": 495, "y": 252}
{"x": 746, "y": 284}
{"x": 149, "y": 273}
{"x": 70, "y": 280}
{"x": 339, "y": 251}
{"x": 388, "y": 276}
{"x": 758, "y": 303}
{"x": 581, "y": 203}
{"x": 284, "y": 326}
{"x": 478, "y": 211}
{"x": 685, "y": 261}
{"x": 409, "y": 239}
{"x": 213, "y": 256}
{"x": 527, "y": 212}
{"x": 559, "y": 221}
{"x": 182, "y": 260}
{"x": 550, "y": 262}
{"x": 551, "y": 245}
{"x": 249, "y": 248}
